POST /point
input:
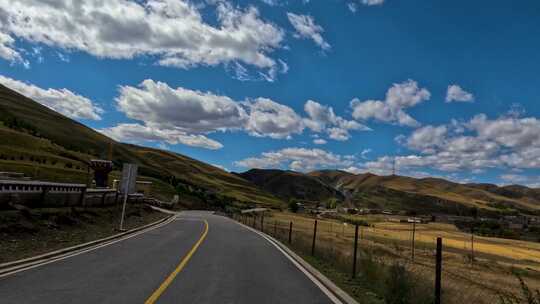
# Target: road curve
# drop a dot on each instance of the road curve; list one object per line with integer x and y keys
{"x": 231, "y": 265}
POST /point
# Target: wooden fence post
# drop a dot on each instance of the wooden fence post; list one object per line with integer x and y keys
{"x": 438, "y": 271}
{"x": 355, "y": 251}
{"x": 314, "y": 238}
{"x": 472, "y": 244}
{"x": 290, "y": 232}
{"x": 413, "y": 234}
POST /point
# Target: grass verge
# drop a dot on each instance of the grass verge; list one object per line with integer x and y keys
{"x": 30, "y": 232}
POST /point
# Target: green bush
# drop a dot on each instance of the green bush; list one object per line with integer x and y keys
{"x": 293, "y": 205}
{"x": 398, "y": 285}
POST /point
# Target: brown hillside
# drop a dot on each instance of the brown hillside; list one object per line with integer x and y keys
{"x": 31, "y": 131}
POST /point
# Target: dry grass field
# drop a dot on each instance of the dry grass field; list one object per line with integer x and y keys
{"x": 483, "y": 281}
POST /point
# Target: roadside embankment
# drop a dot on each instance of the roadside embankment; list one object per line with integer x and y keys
{"x": 30, "y": 232}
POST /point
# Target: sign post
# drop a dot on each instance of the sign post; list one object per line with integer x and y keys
{"x": 127, "y": 186}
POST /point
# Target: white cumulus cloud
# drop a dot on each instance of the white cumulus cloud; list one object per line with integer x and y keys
{"x": 137, "y": 133}
{"x": 63, "y": 100}
{"x": 321, "y": 118}
{"x": 504, "y": 143}
{"x": 392, "y": 109}
{"x": 188, "y": 110}
{"x": 372, "y": 2}
{"x": 456, "y": 93}
{"x": 173, "y": 32}
{"x": 269, "y": 118}
{"x": 7, "y": 51}
{"x": 306, "y": 27}
{"x": 298, "y": 159}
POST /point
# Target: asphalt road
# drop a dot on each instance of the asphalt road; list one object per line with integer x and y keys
{"x": 231, "y": 265}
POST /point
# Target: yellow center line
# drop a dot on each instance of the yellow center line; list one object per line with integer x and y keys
{"x": 155, "y": 296}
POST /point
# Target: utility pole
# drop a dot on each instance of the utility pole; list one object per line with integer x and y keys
{"x": 413, "y": 233}
{"x": 475, "y": 216}
{"x": 355, "y": 250}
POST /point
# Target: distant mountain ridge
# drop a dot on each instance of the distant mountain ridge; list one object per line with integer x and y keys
{"x": 396, "y": 192}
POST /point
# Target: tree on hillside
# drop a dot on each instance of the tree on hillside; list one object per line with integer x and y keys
{"x": 331, "y": 203}
{"x": 293, "y": 205}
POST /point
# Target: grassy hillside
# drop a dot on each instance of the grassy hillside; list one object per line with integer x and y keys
{"x": 49, "y": 146}
{"x": 290, "y": 184}
{"x": 431, "y": 192}
{"x": 427, "y": 195}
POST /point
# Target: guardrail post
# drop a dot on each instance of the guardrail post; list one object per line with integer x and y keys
{"x": 314, "y": 238}
{"x": 82, "y": 200}
{"x": 44, "y": 191}
{"x": 262, "y": 222}
{"x": 275, "y": 228}
{"x": 355, "y": 251}
{"x": 438, "y": 271}
{"x": 290, "y": 232}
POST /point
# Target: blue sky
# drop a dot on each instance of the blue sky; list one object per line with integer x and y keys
{"x": 446, "y": 89}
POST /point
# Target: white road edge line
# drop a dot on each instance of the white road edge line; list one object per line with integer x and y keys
{"x": 72, "y": 254}
{"x": 320, "y": 285}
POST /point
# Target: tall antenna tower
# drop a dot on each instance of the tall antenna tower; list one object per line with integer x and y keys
{"x": 394, "y": 166}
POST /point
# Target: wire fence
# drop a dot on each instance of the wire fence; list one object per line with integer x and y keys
{"x": 388, "y": 257}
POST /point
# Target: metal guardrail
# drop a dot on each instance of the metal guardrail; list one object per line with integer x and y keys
{"x": 11, "y": 186}
{"x": 76, "y": 194}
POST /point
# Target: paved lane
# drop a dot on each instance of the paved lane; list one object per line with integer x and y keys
{"x": 232, "y": 265}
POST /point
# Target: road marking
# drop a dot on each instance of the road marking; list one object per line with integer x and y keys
{"x": 155, "y": 296}
{"x": 317, "y": 283}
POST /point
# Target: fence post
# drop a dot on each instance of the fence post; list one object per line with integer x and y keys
{"x": 314, "y": 238}
{"x": 290, "y": 232}
{"x": 472, "y": 244}
{"x": 355, "y": 251}
{"x": 413, "y": 233}
{"x": 438, "y": 271}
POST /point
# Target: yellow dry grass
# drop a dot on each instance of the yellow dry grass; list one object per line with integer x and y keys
{"x": 495, "y": 258}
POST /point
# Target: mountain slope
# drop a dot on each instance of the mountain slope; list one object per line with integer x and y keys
{"x": 290, "y": 184}
{"x": 428, "y": 195}
{"x": 37, "y": 139}
{"x": 445, "y": 194}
